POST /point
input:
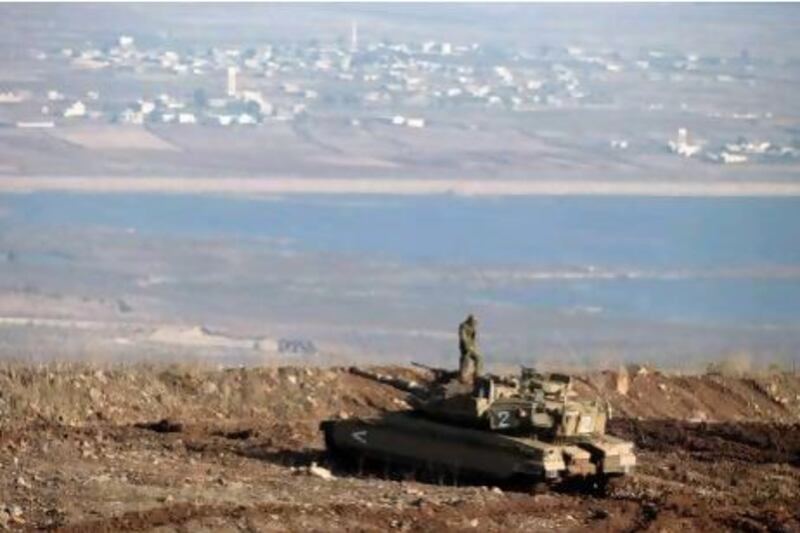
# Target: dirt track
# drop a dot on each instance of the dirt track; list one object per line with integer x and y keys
{"x": 79, "y": 452}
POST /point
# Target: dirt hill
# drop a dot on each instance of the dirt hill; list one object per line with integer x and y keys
{"x": 143, "y": 447}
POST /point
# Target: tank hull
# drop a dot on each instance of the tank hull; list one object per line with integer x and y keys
{"x": 409, "y": 439}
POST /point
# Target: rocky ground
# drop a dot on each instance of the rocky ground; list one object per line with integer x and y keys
{"x": 191, "y": 449}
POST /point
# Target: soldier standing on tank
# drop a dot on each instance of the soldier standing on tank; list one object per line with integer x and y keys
{"x": 470, "y": 364}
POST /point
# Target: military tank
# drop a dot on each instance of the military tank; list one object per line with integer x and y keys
{"x": 529, "y": 428}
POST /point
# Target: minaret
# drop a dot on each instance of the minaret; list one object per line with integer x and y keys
{"x": 354, "y": 36}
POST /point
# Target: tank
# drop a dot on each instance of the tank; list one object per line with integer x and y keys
{"x": 528, "y": 428}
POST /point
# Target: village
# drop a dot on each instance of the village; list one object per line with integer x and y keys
{"x": 404, "y": 85}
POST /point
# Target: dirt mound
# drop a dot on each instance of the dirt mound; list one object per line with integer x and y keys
{"x": 744, "y": 441}
{"x": 75, "y": 395}
{"x": 709, "y": 397}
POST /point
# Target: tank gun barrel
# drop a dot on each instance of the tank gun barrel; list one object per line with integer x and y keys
{"x": 439, "y": 374}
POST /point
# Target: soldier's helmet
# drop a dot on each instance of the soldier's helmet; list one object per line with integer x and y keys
{"x": 471, "y": 319}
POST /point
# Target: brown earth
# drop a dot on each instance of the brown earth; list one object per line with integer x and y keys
{"x": 193, "y": 449}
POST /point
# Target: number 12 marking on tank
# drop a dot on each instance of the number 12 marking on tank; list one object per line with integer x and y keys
{"x": 360, "y": 436}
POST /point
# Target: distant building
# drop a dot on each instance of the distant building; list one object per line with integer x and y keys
{"x": 35, "y": 124}
{"x": 125, "y": 41}
{"x": 354, "y": 37}
{"x": 78, "y": 109}
{"x": 11, "y": 97}
{"x": 187, "y": 118}
{"x": 146, "y": 107}
{"x": 729, "y": 158}
{"x": 415, "y": 122}
{"x": 682, "y": 145}
{"x": 246, "y": 119}
{"x": 232, "y": 81}
{"x": 129, "y": 116}
{"x": 619, "y": 144}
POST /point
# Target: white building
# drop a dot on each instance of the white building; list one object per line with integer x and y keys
{"x": 730, "y": 159}
{"x": 245, "y": 119}
{"x": 78, "y": 109}
{"x": 129, "y": 116}
{"x": 619, "y": 144}
{"x": 682, "y": 145}
{"x": 146, "y": 106}
{"x": 232, "y": 81}
{"x": 415, "y": 122}
{"x": 11, "y": 97}
{"x": 35, "y": 124}
{"x": 187, "y": 118}
{"x": 504, "y": 74}
{"x": 125, "y": 41}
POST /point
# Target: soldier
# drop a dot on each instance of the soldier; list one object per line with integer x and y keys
{"x": 470, "y": 364}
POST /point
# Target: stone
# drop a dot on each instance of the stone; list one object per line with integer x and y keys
{"x": 95, "y": 394}
{"x": 320, "y": 472}
{"x": 497, "y": 490}
{"x": 698, "y": 417}
{"x": 15, "y": 511}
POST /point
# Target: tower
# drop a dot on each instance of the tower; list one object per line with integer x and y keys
{"x": 232, "y": 81}
{"x": 354, "y": 36}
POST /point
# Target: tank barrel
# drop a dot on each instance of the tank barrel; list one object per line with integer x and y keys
{"x": 438, "y": 373}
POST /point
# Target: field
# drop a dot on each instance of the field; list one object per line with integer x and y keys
{"x": 192, "y": 448}
{"x": 114, "y": 138}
